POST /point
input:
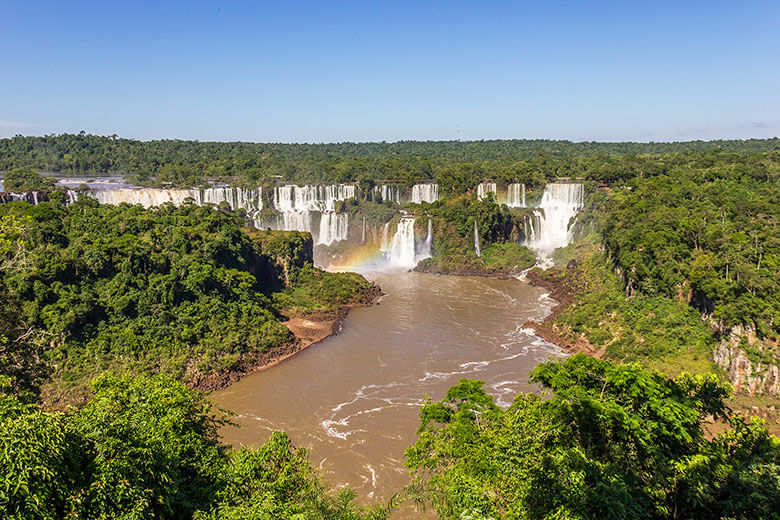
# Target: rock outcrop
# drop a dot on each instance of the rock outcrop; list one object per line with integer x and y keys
{"x": 748, "y": 376}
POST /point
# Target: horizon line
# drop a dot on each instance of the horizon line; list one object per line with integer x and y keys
{"x": 83, "y": 133}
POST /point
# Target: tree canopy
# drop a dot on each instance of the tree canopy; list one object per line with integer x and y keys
{"x": 607, "y": 440}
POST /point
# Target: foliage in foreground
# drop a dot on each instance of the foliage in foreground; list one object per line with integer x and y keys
{"x": 148, "y": 448}
{"x": 611, "y": 441}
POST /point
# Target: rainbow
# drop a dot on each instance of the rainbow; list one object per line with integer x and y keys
{"x": 361, "y": 258}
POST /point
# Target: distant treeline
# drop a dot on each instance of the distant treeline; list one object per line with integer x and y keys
{"x": 449, "y": 162}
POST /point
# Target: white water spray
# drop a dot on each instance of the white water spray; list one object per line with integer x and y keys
{"x": 515, "y": 195}
{"x": 400, "y": 251}
{"x": 477, "y": 250}
{"x": 483, "y": 188}
{"x": 426, "y": 251}
{"x": 560, "y": 203}
{"x": 425, "y": 193}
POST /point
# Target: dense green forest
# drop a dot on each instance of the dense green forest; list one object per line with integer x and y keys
{"x": 147, "y": 447}
{"x": 606, "y": 441}
{"x": 666, "y": 269}
{"x": 139, "y": 301}
{"x": 455, "y": 164}
{"x": 710, "y": 236}
{"x": 183, "y": 291}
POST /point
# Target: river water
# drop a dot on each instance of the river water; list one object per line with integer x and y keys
{"x": 353, "y": 399}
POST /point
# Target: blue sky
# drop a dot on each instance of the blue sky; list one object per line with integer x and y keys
{"x": 371, "y": 71}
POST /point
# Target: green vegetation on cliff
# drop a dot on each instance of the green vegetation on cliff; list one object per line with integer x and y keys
{"x": 498, "y": 228}
{"x": 708, "y": 235}
{"x": 687, "y": 258}
{"x": 182, "y": 291}
{"x": 24, "y": 179}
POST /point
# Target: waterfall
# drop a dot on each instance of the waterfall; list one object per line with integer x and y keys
{"x": 385, "y": 238}
{"x": 477, "y": 250}
{"x": 298, "y": 206}
{"x": 515, "y": 195}
{"x": 426, "y": 251}
{"x": 363, "y": 235}
{"x": 333, "y": 227}
{"x": 425, "y": 193}
{"x": 248, "y": 199}
{"x": 294, "y": 221}
{"x": 484, "y": 188}
{"x": 400, "y": 251}
{"x": 311, "y": 197}
{"x": 387, "y": 193}
{"x": 31, "y": 197}
{"x": 560, "y": 202}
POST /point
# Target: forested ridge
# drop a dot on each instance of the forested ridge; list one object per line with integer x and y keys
{"x": 706, "y": 235}
{"x": 188, "y": 162}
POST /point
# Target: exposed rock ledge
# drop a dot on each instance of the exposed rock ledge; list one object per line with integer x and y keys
{"x": 307, "y": 330}
{"x": 746, "y": 377}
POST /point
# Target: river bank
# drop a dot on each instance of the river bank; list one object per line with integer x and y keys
{"x": 307, "y": 330}
{"x": 562, "y": 286}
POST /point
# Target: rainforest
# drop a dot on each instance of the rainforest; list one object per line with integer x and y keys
{"x": 453, "y": 329}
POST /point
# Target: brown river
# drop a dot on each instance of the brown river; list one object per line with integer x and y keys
{"x": 353, "y": 399}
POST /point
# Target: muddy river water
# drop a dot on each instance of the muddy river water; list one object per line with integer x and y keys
{"x": 353, "y": 399}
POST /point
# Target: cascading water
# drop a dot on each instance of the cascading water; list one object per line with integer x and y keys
{"x": 560, "y": 203}
{"x": 387, "y": 193}
{"x": 31, "y": 197}
{"x": 477, "y": 250}
{"x": 484, "y": 188}
{"x": 297, "y": 206}
{"x": 248, "y": 199}
{"x": 515, "y": 195}
{"x": 427, "y": 248}
{"x": 333, "y": 227}
{"x": 400, "y": 251}
{"x": 425, "y": 193}
{"x": 385, "y": 238}
{"x": 363, "y": 234}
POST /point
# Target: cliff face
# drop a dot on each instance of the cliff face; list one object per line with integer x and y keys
{"x": 752, "y": 377}
{"x": 281, "y": 255}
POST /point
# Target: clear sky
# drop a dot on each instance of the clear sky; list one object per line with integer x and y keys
{"x": 371, "y": 71}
